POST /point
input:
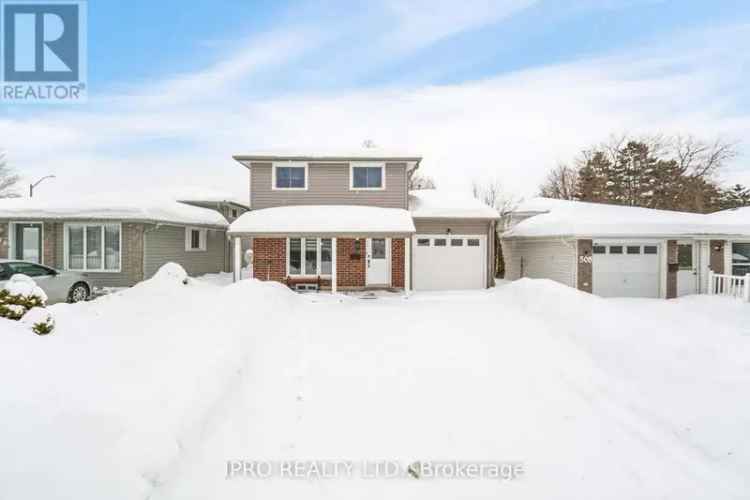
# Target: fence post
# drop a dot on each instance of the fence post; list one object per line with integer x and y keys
{"x": 746, "y": 289}
{"x": 710, "y": 282}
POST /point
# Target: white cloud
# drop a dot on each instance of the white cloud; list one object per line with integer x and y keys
{"x": 514, "y": 126}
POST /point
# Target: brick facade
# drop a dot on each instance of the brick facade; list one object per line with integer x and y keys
{"x": 716, "y": 259}
{"x": 269, "y": 259}
{"x": 585, "y": 266}
{"x": 672, "y": 267}
{"x": 350, "y": 262}
{"x": 397, "y": 263}
{"x": 269, "y": 262}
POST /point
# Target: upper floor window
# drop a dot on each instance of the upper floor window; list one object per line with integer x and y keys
{"x": 367, "y": 176}
{"x": 287, "y": 176}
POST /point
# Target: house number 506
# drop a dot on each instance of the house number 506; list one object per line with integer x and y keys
{"x": 585, "y": 259}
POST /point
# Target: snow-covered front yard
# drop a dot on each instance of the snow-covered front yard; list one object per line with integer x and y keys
{"x": 148, "y": 393}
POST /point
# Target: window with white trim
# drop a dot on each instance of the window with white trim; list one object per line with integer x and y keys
{"x": 290, "y": 176}
{"x": 195, "y": 239}
{"x": 309, "y": 257}
{"x": 740, "y": 259}
{"x": 367, "y": 177}
{"x": 93, "y": 247}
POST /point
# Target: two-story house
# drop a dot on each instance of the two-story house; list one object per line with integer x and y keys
{"x": 348, "y": 221}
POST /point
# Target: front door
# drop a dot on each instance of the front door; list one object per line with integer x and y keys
{"x": 28, "y": 242}
{"x": 687, "y": 273}
{"x": 377, "y": 261}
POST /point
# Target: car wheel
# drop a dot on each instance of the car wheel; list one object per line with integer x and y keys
{"x": 78, "y": 293}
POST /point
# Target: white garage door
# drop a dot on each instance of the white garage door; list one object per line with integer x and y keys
{"x": 449, "y": 262}
{"x": 624, "y": 269}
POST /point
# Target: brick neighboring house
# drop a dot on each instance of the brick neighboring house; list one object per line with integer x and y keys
{"x": 620, "y": 251}
{"x": 347, "y": 221}
{"x": 119, "y": 243}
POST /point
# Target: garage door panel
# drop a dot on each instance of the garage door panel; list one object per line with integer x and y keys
{"x": 626, "y": 274}
{"x": 449, "y": 267}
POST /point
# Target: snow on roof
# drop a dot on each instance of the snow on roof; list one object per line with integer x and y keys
{"x": 321, "y": 219}
{"x": 574, "y": 218}
{"x": 111, "y": 208}
{"x": 342, "y": 154}
{"x": 437, "y": 204}
{"x": 207, "y": 195}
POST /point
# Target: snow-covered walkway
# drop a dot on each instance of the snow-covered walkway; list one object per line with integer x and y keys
{"x": 148, "y": 393}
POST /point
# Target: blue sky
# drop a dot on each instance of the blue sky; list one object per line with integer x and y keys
{"x": 481, "y": 88}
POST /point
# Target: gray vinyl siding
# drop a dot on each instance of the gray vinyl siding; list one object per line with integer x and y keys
{"x": 456, "y": 226}
{"x": 328, "y": 184}
{"x": 547, "y": 259}
{"x": 167, "y": 244}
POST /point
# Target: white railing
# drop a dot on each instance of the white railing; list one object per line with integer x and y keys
{"x": 729, "y": 286}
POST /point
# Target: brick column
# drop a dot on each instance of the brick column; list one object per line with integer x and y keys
{"x": 4, "y": 240}
{"x": 716, "y": 259}
{"x": 673, "y": 266}
{"x": 585, "y": 266}
{"x": 269, "y": 259}
{"x": 397, "y": 263}
{"x": 49, "y": 245}
{"x": 350, "y": 262}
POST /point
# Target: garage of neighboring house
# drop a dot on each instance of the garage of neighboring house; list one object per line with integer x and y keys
{"x": 449, "y": 262}
{"x": 626, "y": 269}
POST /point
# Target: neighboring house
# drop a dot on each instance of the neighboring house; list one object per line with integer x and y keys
{"x": 619, "y": 251}
{"x": 115, "y": 243}
{"x": 343, "y": 221}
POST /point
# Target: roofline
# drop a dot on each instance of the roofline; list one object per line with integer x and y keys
{"x": 665, "y": 236}
{"x": 246, "y": 159}
{"x": 229, "y": 202}
{"x": 323, "y": 234}
{"x": 167, "y": 222}
{"x": 459, "y": 217}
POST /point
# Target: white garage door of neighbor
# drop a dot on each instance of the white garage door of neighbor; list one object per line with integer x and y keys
{"x": 623, "y": 269}
{"x": 449, "y": 262}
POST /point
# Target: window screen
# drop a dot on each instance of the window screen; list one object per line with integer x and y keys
{"x": 295, "y": 256}
{"x": 290, "y": 177}
{"x": 367, "y": 177}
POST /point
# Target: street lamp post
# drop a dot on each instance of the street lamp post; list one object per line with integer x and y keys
{"x": 32, "y": 186}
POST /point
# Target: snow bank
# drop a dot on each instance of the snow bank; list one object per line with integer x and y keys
{"x": 434, "y": 203}
{"x": 330, "y": 219}
{"x": 112, "y": 207}
{"x": 147, "y": 393}
{"x": 109, "y": 404}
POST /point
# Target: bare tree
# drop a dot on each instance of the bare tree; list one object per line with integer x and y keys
{"x": 561, "y": 183}
{"x": 491, "y": 193}
{"x": 701, "y": 159}
{"x": 417, "y": 181}
{"x": 8, "y": 179}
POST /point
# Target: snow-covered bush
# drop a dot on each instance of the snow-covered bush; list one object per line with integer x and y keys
{"x": 21, "y": 299}
{"x": 19, "y": 295}
{"x": 40, "y": 320}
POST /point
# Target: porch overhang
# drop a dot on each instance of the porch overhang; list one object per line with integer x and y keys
{"x": 324, "y": 221}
